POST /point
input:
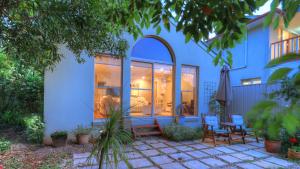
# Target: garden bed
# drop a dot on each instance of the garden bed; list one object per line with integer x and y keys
{"x": 26, "y": 155}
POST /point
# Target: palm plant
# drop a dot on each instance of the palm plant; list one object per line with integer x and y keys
{"x": 269, "y": 117}
{"x": 110, "y": 145}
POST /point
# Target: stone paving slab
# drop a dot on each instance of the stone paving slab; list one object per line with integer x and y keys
{"x": 168, "y": 150}
{"x": 242, "y": 156}
{"x": 163, "y": 159}
{"x": 180, "y": 156}
{"x": 266, "y": 164}
{"x": 229, "y": 158}
{"x": 151, "y": 152}
{"x": 254, "y": 153}
{"x": 279, "y": 161}
{"x": 139, "y": 163}
{"x": 198, "y": 146}
{"x": 175, "y": 165}
{"x": 225, "y": 149}
{"x": 212, "y": 151}
{"x": 158, "y": 153}
{"x": 195, "y": 165}
{"x": 213, "y": 162}
{"x": 183, "y": 148}
{"x": 197, "y": 154}
{"x": 248, "y": 166}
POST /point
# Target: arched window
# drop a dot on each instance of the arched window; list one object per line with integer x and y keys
{"x": 151, "y": 78}
{"x": 153, "y": 50}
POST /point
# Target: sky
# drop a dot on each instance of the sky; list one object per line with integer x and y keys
{"x": 264, "y": 8}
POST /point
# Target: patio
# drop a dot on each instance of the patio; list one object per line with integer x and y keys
{"x": 156, "y": 152}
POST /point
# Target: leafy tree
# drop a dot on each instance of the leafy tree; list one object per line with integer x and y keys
{"x": 21, "y": 87}
{"x": 33, "y": 30}
{"x": 198, "y": 18}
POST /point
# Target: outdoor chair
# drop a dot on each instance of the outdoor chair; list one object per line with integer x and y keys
{"x": 240, "y": 126}
{"x": 212, "y": 129}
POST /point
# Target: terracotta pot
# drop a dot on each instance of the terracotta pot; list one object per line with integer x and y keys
{"x": 59, "y": 142}
{"x": 82, "y": 138}
{"x": 292, "y": 154}
{"x": 273, "y": 146}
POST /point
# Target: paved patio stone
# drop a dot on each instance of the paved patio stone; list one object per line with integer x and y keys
{"x": 238, "y": 147}
{"x": 84, "y": 161}
{"x": 266, "y": 164}
{"x": 181, "y": 156}
{"x": 159, "y": 145}
{"x": 254, "y": 153}
{"x": 151, "y": 168}
{"x": 212, "y": 151}
{"x": 141, "y": 162}
{"x": 242, "y": 156}
{"x": 121, "y": 165}
{"x": 213, "y": 162}
{"x": 81, "y": 155}
{"x": 198, "y": 146}
{"x": 195, "y": 165}
{"x": 183, "y": 148}
{"x": 163, "y": 159}
{"x": 131, "y": 155}
{"x": 158, "y": 153}
{"x": 260, "y": 145}
{"x": 168, "y": 150}
{"x": 225, "y": 149}
{"x": 197, "y": 154}
{"x": 279, "y": 161}
{"x": 230, "y": 158}
{"x": 142, "y": 147}
{"x": 172, "y": 166}
{"x": 172, "y": 143}
{"x": 151, "y": 152}
{"x": 248, "y": 166}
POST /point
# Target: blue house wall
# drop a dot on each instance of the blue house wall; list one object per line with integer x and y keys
{"x": 69, "y": 88}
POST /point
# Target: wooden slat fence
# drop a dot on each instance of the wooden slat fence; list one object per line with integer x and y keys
{"x": 245, "y": 97}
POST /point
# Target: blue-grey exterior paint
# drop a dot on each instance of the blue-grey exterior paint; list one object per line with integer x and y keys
{"x": 69, "y": 88}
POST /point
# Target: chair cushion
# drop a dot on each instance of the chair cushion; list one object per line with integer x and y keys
{"x": 238, "y": 120}
{"x": 212, "y": 121}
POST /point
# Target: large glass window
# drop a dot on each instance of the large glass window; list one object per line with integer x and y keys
{"x": 151, "y": 78}
{"x": 141, "y": 89}
{"x": 189, "y": 90}
{"x": 163, "y": 90}
{"x": 107, "y": 85}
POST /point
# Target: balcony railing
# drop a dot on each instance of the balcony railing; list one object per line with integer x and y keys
{"x": 280, "y": 48}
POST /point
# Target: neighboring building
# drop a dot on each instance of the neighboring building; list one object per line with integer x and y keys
{"x": 261, "y": 45}
{"x": 159, "y": 74}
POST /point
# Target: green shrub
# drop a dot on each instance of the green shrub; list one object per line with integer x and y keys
{"x": 4, "y": 145}
{"x": 12, "y": 118}
{"x": 59, "y": 134}
{"x": 34, "y": 129}
{"x": 176, "y": 132}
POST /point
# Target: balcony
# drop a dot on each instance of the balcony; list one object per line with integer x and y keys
{"x": 280, "y": 48}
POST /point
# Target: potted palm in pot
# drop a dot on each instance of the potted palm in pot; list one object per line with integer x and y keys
{"x": 82, "y": 134}
{"x": 280, "y": 112}
{"x": 59, "y": 138}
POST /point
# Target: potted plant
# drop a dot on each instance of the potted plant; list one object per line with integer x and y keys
{"x": 82, "y": 134}
{"x": 59, "y": 138}
{"x": 280, "y": 112}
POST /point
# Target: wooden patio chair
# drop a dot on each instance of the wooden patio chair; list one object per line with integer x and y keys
{"x": 212, "y": 129}
{"x": 238, "y": 120}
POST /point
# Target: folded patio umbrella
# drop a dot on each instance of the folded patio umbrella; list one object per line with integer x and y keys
{"x": 224, "y": 93}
